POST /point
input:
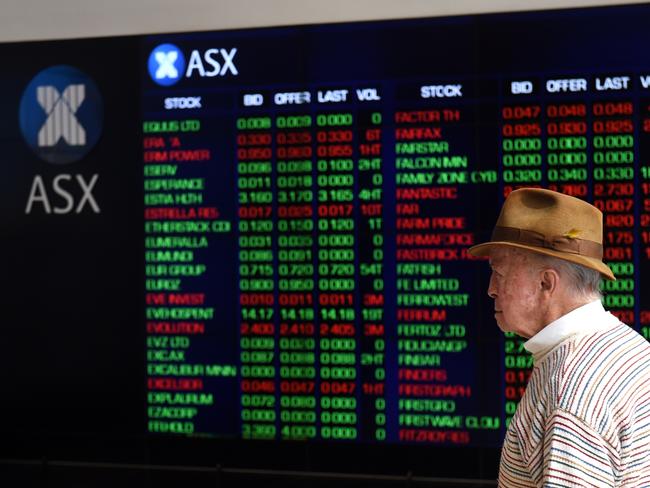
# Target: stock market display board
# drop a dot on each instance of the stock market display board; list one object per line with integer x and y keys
{"x": 310, "y": 194}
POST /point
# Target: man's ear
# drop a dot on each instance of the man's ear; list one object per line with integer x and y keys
{"x": 549, "y": 280}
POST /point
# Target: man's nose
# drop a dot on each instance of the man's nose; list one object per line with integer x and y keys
{"x": 492, "y": 289}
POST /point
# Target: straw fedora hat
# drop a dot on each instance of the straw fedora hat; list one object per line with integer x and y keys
{"x": 551, "y": 223}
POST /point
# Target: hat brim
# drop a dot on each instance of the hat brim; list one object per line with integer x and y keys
{"x": 591, "y": 263}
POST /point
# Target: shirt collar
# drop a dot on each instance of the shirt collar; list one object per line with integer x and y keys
{"x": 588, "y": 318}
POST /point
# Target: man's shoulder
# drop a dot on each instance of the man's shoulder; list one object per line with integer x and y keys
{"x": 604, "y": 370}
{"x": 610, "y": 345}
{"x": 612, "y": 351}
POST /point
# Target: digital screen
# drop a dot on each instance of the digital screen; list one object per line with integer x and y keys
{"x": 310, "y": 195}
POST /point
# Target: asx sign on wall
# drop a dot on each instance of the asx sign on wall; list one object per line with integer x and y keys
{"x": 61, "y": 117}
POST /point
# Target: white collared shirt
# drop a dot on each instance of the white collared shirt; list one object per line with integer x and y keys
{"x": 586, "y": 319}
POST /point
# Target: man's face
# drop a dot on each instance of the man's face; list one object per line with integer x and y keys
{"x": 515, "y": 288}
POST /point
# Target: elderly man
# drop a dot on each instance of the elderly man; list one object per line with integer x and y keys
{"x": 585, "y": 417}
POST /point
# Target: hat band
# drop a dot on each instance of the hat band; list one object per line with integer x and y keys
{"x": 582, "y": 247}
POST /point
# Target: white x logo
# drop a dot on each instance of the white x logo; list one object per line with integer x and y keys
{"x": 166, "y": 68}
{"x": 61, "y": 120}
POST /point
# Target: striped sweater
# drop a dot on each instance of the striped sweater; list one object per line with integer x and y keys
{"x": 584, "y": 420}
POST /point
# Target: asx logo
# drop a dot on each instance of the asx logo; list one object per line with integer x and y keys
{"x": 61, "y": 116}
{"x": 167, "y": 64}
